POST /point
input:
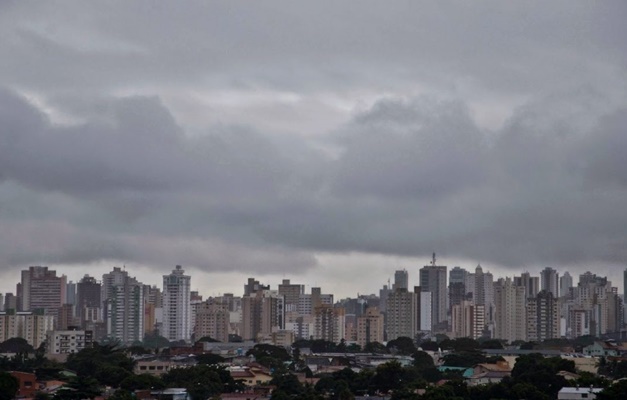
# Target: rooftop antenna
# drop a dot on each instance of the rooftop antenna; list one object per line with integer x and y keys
{"x": 433, "y": 261}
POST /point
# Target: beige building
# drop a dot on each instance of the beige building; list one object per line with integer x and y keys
{"x": 370, "y": 327}
{"x": 402, "y": 314}
{"x": 510, "y": 317}
{"x": 30, "y": 326}
{"x": 67, "y": 341}
{"x": 263, "y": 312}
{"x": 329, "y": 323}
{"x": 468, "y": 320}
{"x": 212, "y": 319}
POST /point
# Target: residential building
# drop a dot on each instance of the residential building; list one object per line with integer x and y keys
{"x": 542, "y": 317}
{"x": 176, "y": 306}
{"x": 88, "y": 296}
{"x": 401, "y": 280}
{"x": 549, "y": 279}
{"x": 530, "y": 283}
{"x": 468, "y": 320}
{"x": 42, "y": 289}
{"x": 401, "y": 315}
{"x": 510, "y": 311}
{"x": 67, "y": 341}
{"x": 212, "y": 319}
{"x": 329, "y": 323}
{"x": 124, "y": 306}
{"x": 28, "y": 325}
{"x": 433, "y": 279}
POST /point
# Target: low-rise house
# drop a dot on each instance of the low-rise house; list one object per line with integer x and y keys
{"x": 578, "y": 393}
{"x": 489, "y": 373}
{"x": 607, "y": 348}
{"x": 27, "y": 383}
{"x": 251, "y": 375}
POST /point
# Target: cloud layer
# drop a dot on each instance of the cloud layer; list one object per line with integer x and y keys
{"x": 257, "y": 138}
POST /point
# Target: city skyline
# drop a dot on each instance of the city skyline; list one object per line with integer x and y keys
{"x": 329, "y": 143}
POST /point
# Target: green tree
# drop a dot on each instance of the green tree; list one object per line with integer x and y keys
{"x": 422, "y": 360}
{"x": 375, "y": 347}
{"x": 8, "y": 386}
{"x": 614, "y": 392}
{"x": 402, "y": 345}
{"x": 141, "y": 381}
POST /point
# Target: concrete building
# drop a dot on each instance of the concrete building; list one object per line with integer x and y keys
{"x": 530, "y": 283}
{"x": 566, "y": 284}
{"x": 510, "y": 314}
{"x": 401, "y": 280}
{"x": 88, "y": 296}
{"x": 262, "y": 313}
{"x": 402, "y": 313}
{"x": 542, "y": 317}
{"x": 291, "y": 293}
{"x": 468, "y": 320}
{"x": 124, "y": 306}
{"x": 433, "y": 279}
{"x": 176, "y": 306}
{"x": 329, "y": 323}
{"x": 212, "y": 319}
{"x": 42, "y": 289}
{"x": 457, "y": 280}
{"x": 370, "y": 327}
{"x": 67, "y": 341}
{"x": 549, "y": 280}
{"x": 28, "y": 325}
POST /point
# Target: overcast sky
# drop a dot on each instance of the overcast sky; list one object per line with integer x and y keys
{"x": 325, "y": 142}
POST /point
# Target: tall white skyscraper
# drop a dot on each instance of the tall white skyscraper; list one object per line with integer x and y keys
{"x": 176, "y": 305}
{"x": 123, "y": 301}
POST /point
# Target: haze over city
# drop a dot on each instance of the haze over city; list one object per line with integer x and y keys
{"x": 328, "y": 143}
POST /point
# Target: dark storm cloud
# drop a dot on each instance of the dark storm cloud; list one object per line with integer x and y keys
{"x": 244, "y": 136}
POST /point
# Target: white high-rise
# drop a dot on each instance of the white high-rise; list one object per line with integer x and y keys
{"x": 176, "y": 305}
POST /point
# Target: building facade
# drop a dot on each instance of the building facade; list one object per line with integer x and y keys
{"x": 176, "y": 306}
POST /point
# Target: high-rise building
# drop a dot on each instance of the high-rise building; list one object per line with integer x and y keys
{"x": 370, "y": 327}
{"x": 566, "y": 283}
{"x": 291, "y": 292}
{"x": 401, "y": 280}
{"x": 433, "y": 279}
{"x": 28, "y": 325}
{"x": 70, "y": 293}
{"x": 124, "y": 306}
{"x": 329, "y": 323}
{"x": 457, "y": 286}
{"x": 510, "y": 316}
{"x": 10, "y": 302}
{"x": 262, "y": 313}
{"x": 212, "y": 319}
{"x": 401, "y": 314}
{"x": 543, "y": 320}
{"x": 176, "y": 305}
{"x": 468, "y": 320}
{"x": 549, "y": 279}
{"x": 43, "y": 290}
{"x": 531, "y": 283}
{"x": 88, "y": 295}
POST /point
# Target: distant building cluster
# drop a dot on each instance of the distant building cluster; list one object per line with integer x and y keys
{"x": 455, "y": 302}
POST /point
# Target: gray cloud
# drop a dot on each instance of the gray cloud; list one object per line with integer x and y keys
{"x": 252, "y": 137}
